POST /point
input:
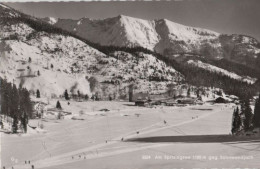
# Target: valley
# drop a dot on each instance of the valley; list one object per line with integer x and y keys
{"x": 75, "y": 143}
{"x": 125, "y": 92}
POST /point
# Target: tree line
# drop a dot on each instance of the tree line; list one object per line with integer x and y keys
{"x": 15, "y": 103}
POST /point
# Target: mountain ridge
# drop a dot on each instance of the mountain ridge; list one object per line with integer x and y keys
{"x": 129, "y": 31}
{"x": 165, "y": 37}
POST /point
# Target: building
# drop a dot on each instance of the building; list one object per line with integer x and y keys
{"x": 220, "y": 100}
{"x": 186, "y": 101}
{"x": 141, "y": 103}
{"x": 141, "y": 96}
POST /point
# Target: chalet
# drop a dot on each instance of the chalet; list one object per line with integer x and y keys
{"x": 141, "y": 99}
{"x": 186, "y": 101}
{"x": 170, "y": 103}
{"x": 141, "y": 103}
{"x": 220, "y": 100}
{"x": 141, "y": 96}
{"x": 157, "y": 102}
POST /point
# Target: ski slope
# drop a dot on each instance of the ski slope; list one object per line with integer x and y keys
{"x": 99, "y": 137}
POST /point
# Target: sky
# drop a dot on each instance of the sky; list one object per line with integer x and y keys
{"x": 223, "y": 16}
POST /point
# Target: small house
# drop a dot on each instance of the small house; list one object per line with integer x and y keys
{"x": 141, "y": 103}
{"x": 220, "y": 100}
{"x": 141, "y": 96}
{"x": 186, "y": 101}
{"x": 170, "y": 103}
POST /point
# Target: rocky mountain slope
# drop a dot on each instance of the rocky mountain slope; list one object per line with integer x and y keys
{"x": 165, "y": 37}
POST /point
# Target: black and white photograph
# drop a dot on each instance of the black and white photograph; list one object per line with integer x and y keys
{"x": 130, "y": 84}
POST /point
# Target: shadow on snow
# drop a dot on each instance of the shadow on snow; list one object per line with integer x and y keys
{"x": 197, "y": 139}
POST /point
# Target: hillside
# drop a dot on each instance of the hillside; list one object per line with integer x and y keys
{"x": 53, "y": 62}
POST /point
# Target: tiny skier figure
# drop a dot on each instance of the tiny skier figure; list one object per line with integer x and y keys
{"x": 165, "y": 122}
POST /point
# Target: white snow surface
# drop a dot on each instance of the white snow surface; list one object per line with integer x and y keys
{"x": 192, "y": 130}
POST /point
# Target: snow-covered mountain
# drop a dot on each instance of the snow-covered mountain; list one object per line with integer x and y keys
{"x": 39, "y": 54}
{"x": 163, "y": 36}
{"x": 127, "y": 31}
{"x": 53, "y": 62}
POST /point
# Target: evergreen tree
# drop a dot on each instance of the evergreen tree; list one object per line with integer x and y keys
{"x": 198, "y": 93}
{"x": 79, "y": 95}
{"x": 59, "y": 115}
{"x": 15, "y": 124}
{"x": 30, "y": 60}
{"x": 171, "y": 89}
{"x": 38, "y": 94}
{"x": 256, "y": 118}
{"x": 66, "y": 95}
{"x": 236, "y": 123}
{"x": 93, "y": 83}
{"x": 38, "y": 73}
{"x": 27, "y": 104}
{"x": 24, "y": 122}
{"x": 14, "y": 100}
{"x": 247, "y": 112}
{"x": 188, "y": 92}
{"x": 4, "y": 97}
{"x": 130, "y": 93}
{"x": 86, "y": 97}
{"x": 58, "y": 105}
{"x": 1, "y": 123}
{"x": 51, "y": 66}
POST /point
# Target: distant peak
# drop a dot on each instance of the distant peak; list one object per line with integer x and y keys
{"x": 122, "y": 16}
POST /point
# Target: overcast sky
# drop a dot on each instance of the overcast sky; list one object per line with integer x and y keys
{"x": 224, "y": 16}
